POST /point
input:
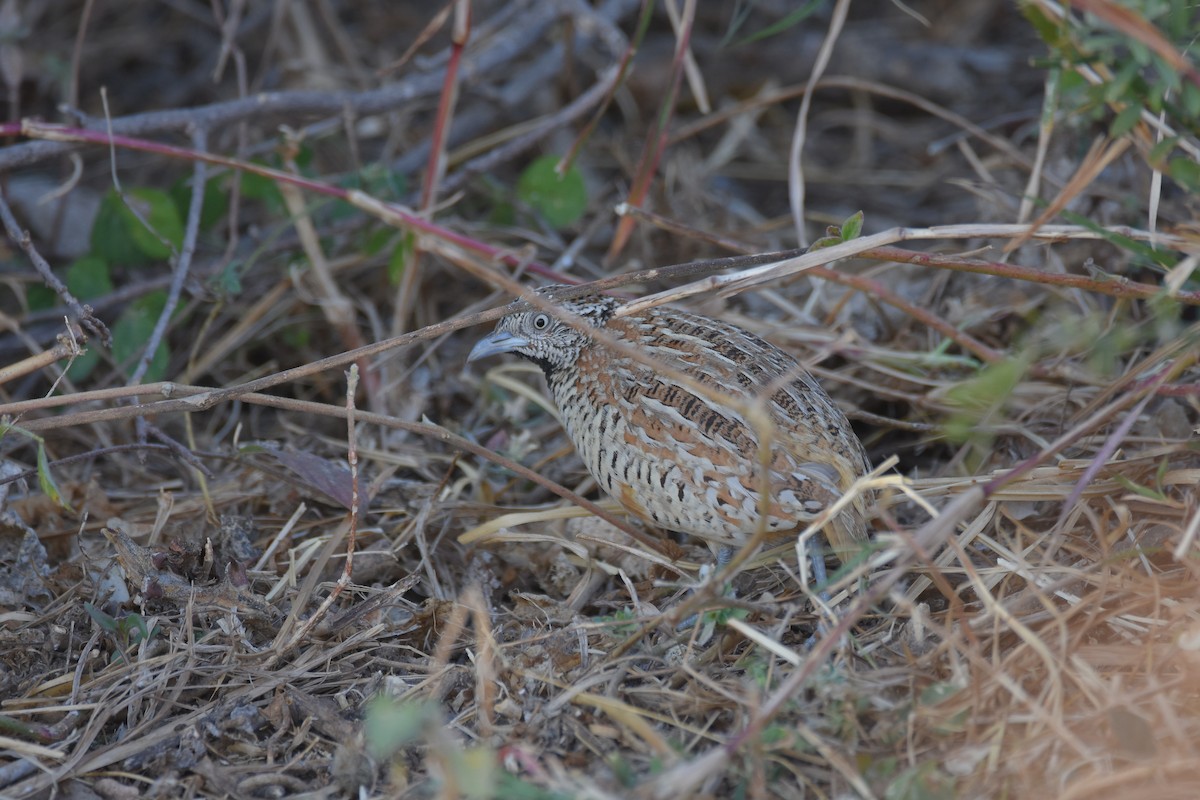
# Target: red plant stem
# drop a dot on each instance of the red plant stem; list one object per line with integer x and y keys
{"x": 656, "y": 143}
{"x": 622, "y": 71}
{"x": 460, "y": 31}
{"x": 396, "y": 213}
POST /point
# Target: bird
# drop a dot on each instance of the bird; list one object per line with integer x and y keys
{"x": 668, "y": 435}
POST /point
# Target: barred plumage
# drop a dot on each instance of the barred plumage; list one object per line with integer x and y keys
{"x": 672, "y": 454}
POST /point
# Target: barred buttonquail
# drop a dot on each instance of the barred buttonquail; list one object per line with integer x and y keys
{"x": 675, "y": 456}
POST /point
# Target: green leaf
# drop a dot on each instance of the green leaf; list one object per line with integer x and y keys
{"x": 88, "y": 278}
{"x": 1141, "y": 53}
{"x": 106, "y": 622}
{"x": 228, "y": 282}
{"x": 1160, "y": 150}
{"x": 990, "y": 387}
{"x": 511, "y": 787}
{"x": 475, "y": 771}
{"x": 213, "y": 208}
{"x": 401, "y": 255}
{"x": 503, "y": 213}
{"x": 1124, "y": 122}
{"x": 131, "y": 332}
{"x": 303, "y": 158}
{"x": 260, "y": 187}
{"x": 1164, "y": 466}
{"x": 1152, "y": 99}
{"x": 1190, "y": 95}
{"x": 83, "y": 365}
{"x": 119, "y": 237}
{"x": 1049, "y": 29}
{"x": 378, "y": 181}
{"x": 164, "y": 236}
{"x": 1118, "y": 88}
{"x": 40, "y": 297}
{"x": 1178, "y": 20}
{"x": 1072, "y": 82}
{"x": 561, "y": 200}
{"x": 377, "y": 239}
{"x": 1143, "y": 491}
{"x": 297, "y": 337}
{"x": 390, "y": 725}
{"x": 46, "y": 479}
{"x": 823, "y": 242}
{"x": 133, "y": 629}
{"x": 111, "y": 241}
{"x": 925, "y": 781}
{"x": 979, "y": 397}
{"x": 338, "y": 210}
{"x": 721, "y": 616}
{"x": 1186, "y": 172}
{"x": 852, "y": 227}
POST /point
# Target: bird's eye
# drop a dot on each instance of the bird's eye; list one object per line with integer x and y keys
{"x": 541, "y": 322}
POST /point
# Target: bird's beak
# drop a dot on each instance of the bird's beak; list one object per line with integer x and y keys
{"x": 495, "y": 343}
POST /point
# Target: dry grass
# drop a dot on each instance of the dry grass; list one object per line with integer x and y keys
{"x": 1025, "y": 623}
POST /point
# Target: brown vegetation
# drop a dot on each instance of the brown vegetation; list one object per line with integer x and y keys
{"x": 246, "y": 553}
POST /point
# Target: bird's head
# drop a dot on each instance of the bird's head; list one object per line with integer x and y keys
{"x": 543, "y": 337}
